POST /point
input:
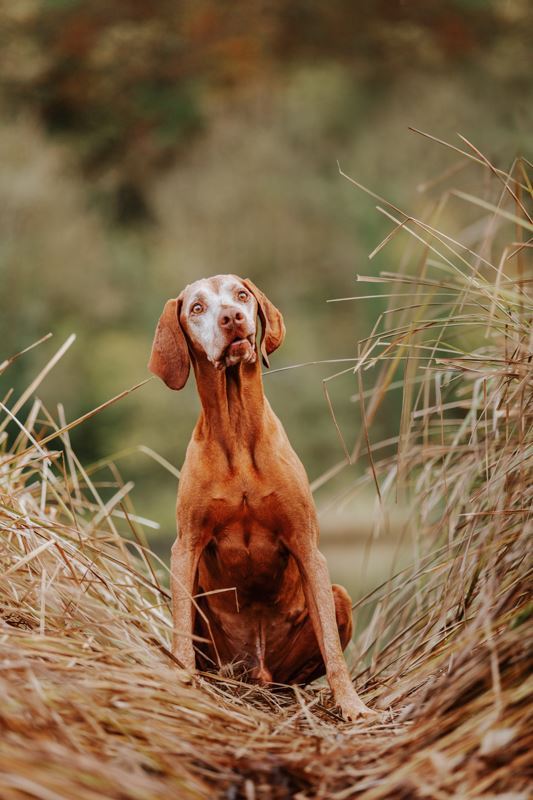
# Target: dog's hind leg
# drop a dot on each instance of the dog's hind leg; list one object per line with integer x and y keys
{"x": 304, "y": 662}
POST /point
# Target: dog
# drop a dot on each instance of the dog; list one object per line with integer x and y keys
{"x": 248, "y": 581}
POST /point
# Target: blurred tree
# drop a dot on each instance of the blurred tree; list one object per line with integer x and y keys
{"x": 131, "y": 83}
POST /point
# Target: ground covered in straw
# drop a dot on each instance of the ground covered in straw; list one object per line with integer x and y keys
{"x": 93, "y": 704}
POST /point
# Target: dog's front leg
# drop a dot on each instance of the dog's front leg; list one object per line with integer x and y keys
{"x": 183, "y": 567}
{"x": 319, "y": 597}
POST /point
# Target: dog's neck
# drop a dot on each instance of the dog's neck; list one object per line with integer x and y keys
{"x": 233, "y": 404}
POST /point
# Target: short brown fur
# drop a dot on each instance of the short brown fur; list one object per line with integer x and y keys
{"x": 247, "y": 525}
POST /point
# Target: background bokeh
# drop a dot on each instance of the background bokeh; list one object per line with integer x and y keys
{"x": 144, "y": 145}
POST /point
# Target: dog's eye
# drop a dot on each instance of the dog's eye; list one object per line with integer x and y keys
{"x": 242, "y": 295}
{"x": 197, "y": 308}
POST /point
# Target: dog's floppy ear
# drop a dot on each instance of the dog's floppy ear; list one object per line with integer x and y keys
{"x": 273, "y": 327}
{"x": 169, "y": 359}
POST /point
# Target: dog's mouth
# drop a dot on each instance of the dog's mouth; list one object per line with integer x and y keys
{"x": 240, "y": 349}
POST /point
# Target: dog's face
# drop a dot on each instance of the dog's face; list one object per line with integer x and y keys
{"x": 214, "y": 318}
{"x": 218, "y": 316}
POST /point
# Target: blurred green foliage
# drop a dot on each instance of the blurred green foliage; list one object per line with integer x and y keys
{"x": 145, "y": 145}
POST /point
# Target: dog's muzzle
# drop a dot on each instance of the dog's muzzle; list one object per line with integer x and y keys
{"x": 239, "y": 350}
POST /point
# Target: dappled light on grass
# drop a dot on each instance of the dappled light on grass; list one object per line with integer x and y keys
{"x": 94, "y": 705}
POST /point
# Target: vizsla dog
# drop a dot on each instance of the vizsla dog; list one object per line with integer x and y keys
{"x": 248, "y": 580}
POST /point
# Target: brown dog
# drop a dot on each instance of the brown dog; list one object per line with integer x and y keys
{"x": 248, "y": 532}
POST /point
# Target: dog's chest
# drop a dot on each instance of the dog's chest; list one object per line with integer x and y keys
{"x": 245, "y": 544}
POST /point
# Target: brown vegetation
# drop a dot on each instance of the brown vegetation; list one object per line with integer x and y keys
{"x": 92, "y": 703}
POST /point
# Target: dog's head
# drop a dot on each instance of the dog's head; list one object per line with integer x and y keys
{"x": 214, "y": 318}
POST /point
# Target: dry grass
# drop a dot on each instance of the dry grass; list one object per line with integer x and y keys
{"x": 93, "y": 704}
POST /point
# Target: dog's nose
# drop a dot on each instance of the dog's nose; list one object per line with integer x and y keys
{"x": 230, "y": 317}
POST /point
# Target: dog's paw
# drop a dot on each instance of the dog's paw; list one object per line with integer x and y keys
{"x": 186, "y": 661}
{"x": 353, "y": 709}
